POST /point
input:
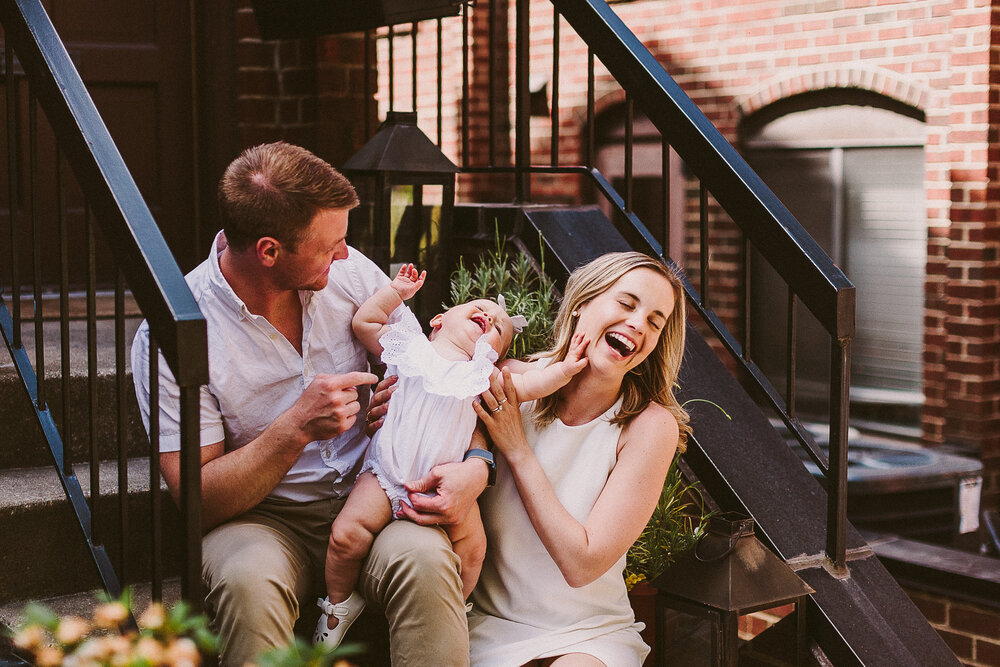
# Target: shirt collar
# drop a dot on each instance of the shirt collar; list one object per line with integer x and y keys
{"x": 225, "y": 291}
{"x": 219, "y": 283}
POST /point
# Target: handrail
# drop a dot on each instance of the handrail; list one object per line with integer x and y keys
{"x": 775, "y": 232}
{"x": 764, "y": 224}
{"x": 139, "y": 251}
{"x": 156, "y": 281}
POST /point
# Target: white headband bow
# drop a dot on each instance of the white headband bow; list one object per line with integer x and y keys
{"x": 519, "y": 321}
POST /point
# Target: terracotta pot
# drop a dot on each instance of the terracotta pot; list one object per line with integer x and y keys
{"x": 643, "y": 600}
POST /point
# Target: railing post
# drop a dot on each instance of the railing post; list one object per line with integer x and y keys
{"x": 13, "y": 187}
{"x": 191, "y": 495}
{"x": 522, "y": 114}
{"x": 840, "y": 389}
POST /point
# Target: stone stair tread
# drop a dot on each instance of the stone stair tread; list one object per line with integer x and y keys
{"x": 105, "y": 345}
{"x": 83, "y": 603}
{"x": 22, "y": 488}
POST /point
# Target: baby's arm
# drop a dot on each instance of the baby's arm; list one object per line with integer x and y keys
{"x": 534, "y": 382}
{"x": 371, "y": 320}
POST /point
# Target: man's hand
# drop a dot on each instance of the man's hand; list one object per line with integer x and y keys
{"x": 379, "y": 404}
{"x": 329, "y": 405}
{"x": 457, "y": 486}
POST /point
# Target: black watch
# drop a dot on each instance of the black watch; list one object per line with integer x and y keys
{"x": 490, "y": 463}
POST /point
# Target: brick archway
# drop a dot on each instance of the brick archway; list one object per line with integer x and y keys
{"x": 876, "y": 80}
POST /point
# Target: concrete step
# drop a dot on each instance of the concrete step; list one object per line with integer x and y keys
{"x": 45, "y": 553}
{"x": 21, "y": 443}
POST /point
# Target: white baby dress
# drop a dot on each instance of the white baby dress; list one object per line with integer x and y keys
{"x": 430, "y": 418}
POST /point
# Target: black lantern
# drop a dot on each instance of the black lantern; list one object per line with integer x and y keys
{"x": 402, "y": 225}
{"x": 728, "y": 574}
{"x": 290, "y": 19}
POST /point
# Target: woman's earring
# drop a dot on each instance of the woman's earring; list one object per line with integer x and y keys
{"x": 575, "y": 313}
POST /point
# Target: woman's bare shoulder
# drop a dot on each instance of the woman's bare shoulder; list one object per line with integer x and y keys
{"x": 655, "y": 425}
{"x": 655, "y": 416}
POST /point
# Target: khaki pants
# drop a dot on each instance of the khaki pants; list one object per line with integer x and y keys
{"x": 258, "y": 567}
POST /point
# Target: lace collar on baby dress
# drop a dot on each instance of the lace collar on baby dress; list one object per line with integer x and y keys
{"x": 414, "y": 356}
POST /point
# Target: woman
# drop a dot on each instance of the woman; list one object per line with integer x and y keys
{"x": 580, "y": 475}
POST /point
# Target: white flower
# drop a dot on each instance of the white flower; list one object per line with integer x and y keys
{"x": 71, "y": 630}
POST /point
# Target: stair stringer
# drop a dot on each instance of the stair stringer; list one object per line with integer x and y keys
{"x": 861, "y": 617}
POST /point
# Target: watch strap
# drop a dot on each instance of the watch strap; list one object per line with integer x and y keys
{"x": 490, "y": 463}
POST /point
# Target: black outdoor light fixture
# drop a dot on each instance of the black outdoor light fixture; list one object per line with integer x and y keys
{"x": 729, "y": 573}
{"x": 284, "y": 19}
{"x": 399, "y": 162}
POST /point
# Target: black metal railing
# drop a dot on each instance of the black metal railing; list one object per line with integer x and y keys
{"x": 107, "y": 211}
{"x": 725, "y": 189}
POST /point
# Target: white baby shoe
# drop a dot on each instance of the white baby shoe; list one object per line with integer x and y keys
{"x": 346, "y": 613}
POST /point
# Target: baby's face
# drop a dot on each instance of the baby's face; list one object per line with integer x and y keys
{"x": 464, "y": 324}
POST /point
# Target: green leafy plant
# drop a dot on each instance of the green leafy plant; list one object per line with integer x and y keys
{"x": 301, "y": 654}
{"x": 526, "y": 291}
{"x": 677, "y": 523}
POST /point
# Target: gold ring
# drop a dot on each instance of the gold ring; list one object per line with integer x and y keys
{"x": 496, "y": 409}
{"x": 504, "y": 400}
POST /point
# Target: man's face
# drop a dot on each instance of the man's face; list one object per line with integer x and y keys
{"x": 308, "y": 266}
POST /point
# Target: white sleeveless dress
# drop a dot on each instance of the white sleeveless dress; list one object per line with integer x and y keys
{"x": 523, "y": 608}
{"x": 430, "y": 418}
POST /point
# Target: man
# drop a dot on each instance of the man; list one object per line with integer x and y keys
{"x": 281, "y": 441}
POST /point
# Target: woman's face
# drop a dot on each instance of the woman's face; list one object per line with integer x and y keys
{"x": 624, "y": 322}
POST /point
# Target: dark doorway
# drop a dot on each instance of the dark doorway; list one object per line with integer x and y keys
{"x": 136, "y": 61}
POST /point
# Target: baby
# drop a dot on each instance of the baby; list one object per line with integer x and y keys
{"x": 430, "y": 421}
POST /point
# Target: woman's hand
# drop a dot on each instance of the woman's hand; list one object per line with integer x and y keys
{"x": 500, "y": 412}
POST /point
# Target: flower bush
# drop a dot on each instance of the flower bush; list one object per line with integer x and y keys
{"x": 164, "y": 637}
{"x": 172, "y": 637}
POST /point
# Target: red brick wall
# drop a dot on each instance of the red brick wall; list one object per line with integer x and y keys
{"x": 972, "y": 631}
{"x": 309, "y": 92}
{"x": 734, "y": 57}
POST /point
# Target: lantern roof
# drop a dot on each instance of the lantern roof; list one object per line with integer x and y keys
{"x": 730, "y": 570}
{"x": 400, "y": 146}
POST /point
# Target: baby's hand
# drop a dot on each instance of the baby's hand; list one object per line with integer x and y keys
{"x": 407, "y": 282}
{"x": 575, "y": 361}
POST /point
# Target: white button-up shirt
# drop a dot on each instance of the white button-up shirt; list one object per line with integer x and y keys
{"x": 255, "y": 374}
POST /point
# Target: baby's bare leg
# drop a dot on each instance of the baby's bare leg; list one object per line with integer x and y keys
{"x": 468, "y": 540}
{"x": 366, "y": 512}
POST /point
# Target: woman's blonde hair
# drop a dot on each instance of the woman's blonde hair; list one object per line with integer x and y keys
{"x": 651, "y": 381}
